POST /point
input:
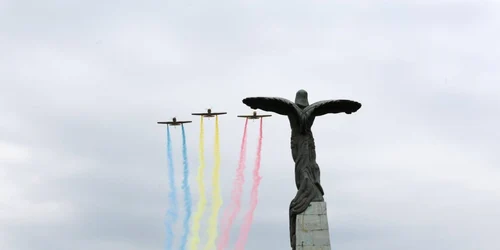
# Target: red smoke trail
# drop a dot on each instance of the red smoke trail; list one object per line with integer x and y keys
{"x": 245, "y": 229}
{"x": 236, "y": 194}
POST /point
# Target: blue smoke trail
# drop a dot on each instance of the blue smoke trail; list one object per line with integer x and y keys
{"x": 172, "y": 210}
{"x": 187, "y": 192}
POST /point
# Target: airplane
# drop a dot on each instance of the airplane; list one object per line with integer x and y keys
{"x": 174, "y": 122}
{"x": 209, "y": 113}
{"x": 253, "y": 116}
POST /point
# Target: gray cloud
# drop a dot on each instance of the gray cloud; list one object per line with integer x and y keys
{"x": 83, "y": 164}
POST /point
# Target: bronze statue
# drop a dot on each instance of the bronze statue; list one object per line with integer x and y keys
{"x": 301, "y": 116}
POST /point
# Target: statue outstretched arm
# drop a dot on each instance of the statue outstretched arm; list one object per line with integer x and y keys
{"x": 332, "y": 107}
{"x": 277, "y": 105}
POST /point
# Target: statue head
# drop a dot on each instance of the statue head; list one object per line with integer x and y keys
{"x": 301, "y": 98}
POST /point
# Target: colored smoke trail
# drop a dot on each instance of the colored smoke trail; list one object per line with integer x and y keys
{"x": 172, "y": 210}
{"x": 216, "y": 194}
{"x": 195, "y": 240}
{"x": 236, "y": 193}
{"x": 187, "y": 191}
{"x": 247, "y": 222}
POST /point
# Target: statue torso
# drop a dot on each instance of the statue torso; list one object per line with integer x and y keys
{"x": 302, "y": 140}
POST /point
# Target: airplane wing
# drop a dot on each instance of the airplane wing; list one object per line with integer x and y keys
{"x": 174, "y": 123}
{"x": 254, "y": 115}
{"x": 199, "y": 113}
{"x": 219, "y": 113}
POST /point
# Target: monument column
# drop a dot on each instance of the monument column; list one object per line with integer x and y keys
{"x": 311, "y": 228}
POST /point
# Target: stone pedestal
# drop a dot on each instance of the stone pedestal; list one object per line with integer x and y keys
{"x": 311, "y": 228}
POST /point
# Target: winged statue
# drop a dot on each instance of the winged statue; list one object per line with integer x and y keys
{"x": 301, "y": 116}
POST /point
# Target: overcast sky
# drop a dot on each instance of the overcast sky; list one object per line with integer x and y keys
{"x": 83, "y": 83}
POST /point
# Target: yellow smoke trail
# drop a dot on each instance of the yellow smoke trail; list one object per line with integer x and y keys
{"x": 216, "y": 194}
{"x": 195, "y": 238}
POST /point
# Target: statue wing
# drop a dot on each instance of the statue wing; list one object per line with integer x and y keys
{"x": 277, "y": 105}
{"x": 332, "y": 107}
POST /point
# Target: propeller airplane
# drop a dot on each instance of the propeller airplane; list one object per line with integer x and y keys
{"x": 209, "y": 113}
{"x": 174, "y": 122}
{"x": 253, "y": 116}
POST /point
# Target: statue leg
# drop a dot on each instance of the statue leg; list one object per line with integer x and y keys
{"x": 316, "y": 173}
{"x": 293, "y": 221}
{"x": 305, "y": 194}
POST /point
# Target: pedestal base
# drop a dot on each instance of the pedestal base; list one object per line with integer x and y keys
{"x": 311, "y": 228}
